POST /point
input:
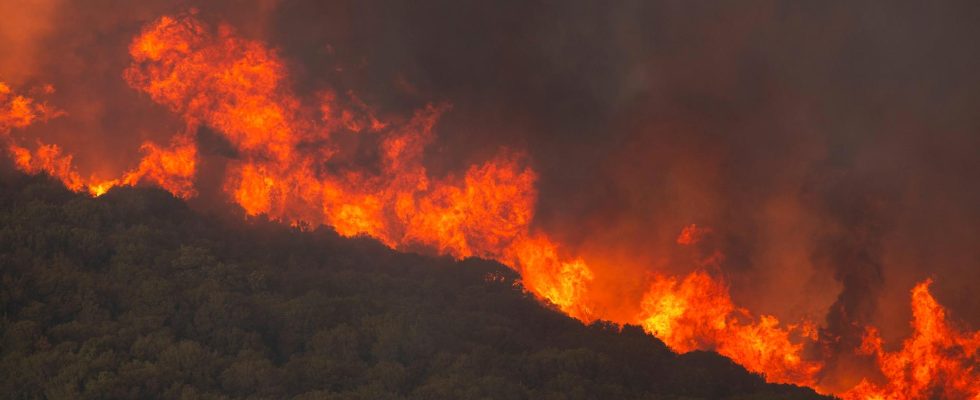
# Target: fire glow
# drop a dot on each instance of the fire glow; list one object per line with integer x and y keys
{"x": 238, "y": 87}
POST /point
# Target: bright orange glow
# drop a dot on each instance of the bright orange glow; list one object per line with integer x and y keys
{"x": 18, "y": 111}
{"x": 48, "y": 159}
{"x": 545, "y": 273}
{"x": 936, "y": 362}
{"x": 697, "y": 313}
{"x": 283, "y": 169}
{"x": 170, "y": 168}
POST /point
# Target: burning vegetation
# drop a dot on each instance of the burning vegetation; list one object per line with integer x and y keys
{"x": 288, "y": 164}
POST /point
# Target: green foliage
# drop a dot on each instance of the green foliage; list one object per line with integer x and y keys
{"x": 134, "y": 295}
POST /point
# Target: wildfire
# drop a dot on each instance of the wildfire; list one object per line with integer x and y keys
{"x": 937, "y": 361}
{"x": 282, "y": 169}
{"x": 697, "y": 313}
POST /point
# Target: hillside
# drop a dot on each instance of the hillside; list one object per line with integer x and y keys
{"x": 136, "y": 295}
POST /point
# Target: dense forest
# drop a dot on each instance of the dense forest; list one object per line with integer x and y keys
{"x": 137, "y": 295}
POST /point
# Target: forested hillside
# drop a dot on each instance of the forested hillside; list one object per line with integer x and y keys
{"x": 136, "y": 295}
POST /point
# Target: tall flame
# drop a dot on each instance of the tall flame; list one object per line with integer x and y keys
{"x": 283, "y": 169}
{"x": 937, "y": 361}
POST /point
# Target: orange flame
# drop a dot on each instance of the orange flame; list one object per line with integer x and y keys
{"x": 47, "y": 158}
{"x": 692, "y": 234}
{"x": 937, "y": 361}
{"x": 171, "y": 168}
{"x": 17, "y": 111}
{"x": 697, "y": 313}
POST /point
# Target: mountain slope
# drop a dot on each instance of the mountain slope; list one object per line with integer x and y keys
{"x": 134, "y": 295}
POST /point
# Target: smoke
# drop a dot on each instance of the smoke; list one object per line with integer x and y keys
{"x": 28, "y": 22}
{"x": 855, "y": 209}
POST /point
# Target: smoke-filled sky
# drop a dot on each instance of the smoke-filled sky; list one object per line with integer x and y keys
{"x": 832, "y": 148}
